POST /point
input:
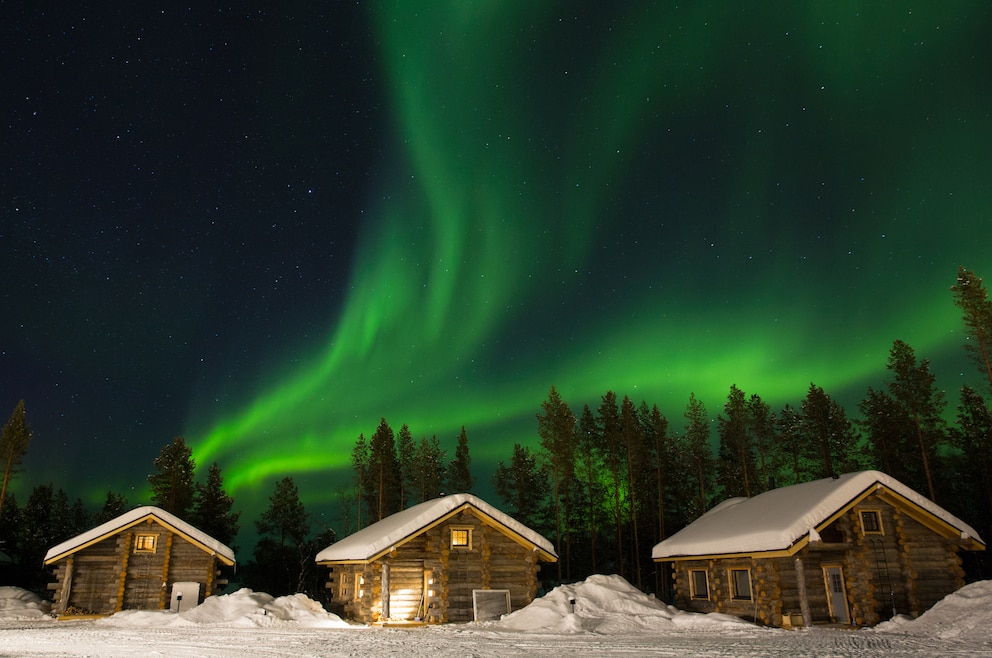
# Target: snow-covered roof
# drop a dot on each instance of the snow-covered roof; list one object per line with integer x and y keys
{"x": 134, "y": 517}
{"x": 776, "y": 520}
{"x": 378, "y": 538}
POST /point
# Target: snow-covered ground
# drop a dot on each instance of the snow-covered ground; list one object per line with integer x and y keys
{"x": 610, "y": 617}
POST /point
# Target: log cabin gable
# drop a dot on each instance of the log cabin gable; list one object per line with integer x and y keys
{"x": 443, "y": 522}
{"x": 147, "y": 521}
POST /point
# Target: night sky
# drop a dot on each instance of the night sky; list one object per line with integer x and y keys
{"x": 265, "y": 226}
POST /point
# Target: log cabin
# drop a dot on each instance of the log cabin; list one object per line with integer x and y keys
{"x": 434, "y": 562}
{"x": 145, "y": 559}
{"x": 855, "y": 549}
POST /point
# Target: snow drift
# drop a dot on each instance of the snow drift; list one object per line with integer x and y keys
{"x": 607, "y": 605}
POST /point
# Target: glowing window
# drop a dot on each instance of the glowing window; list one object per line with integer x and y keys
{"x": 145, "y": 543}
{"x": 698, "y": 585}
{"x": 461, "y": 537}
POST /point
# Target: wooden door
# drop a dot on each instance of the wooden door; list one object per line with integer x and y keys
{"x": 836, "y": 594}
{"x": 406, "y": 590}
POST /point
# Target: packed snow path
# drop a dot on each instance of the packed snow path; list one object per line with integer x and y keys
{"x": 86, "y": 638}
{"x": 601, "y": 616}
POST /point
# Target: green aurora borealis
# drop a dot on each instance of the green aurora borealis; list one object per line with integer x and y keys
{"x": 657, "y": 201}
{"x": 265, "y": 228}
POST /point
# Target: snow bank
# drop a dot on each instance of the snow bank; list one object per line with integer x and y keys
{"x": 607, "y": 605}
{"x": 963, "y": 615}
{"x": 19, "y": 604}
{"x": 243, "y": 608}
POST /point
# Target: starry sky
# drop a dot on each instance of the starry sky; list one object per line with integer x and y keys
{"x": 266, "y": 227}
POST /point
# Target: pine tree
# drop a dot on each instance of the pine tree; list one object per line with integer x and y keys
{"x": 976, "y": 312}
{"x": 762, "y": 424}
{"x": 888, "y": 434}
{"x": 736, "y": 456}
{"x": 633, "y": 450}
{"x": 915, "y": 391}
{"x": 460, "y": 478}
{"x": 213, "y": 508}
{"x": 611, "y": 447}
{"x": 698, "y": 455}
{"x": 523, "y": 487}
{"x": 384, "y": 472}
{"x": 588, "y": 464}
{"x": 660, "y": 444}
{"x": 406, "y": 450}
{"x": 360, "y": 463}
{"x": 14, "y": 441}
{"x": 556, "y": 427}
{"x": 172, "y": 483}
{"x": 829, "y": 438}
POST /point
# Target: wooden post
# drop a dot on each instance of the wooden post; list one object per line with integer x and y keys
{"x": 803, "y": 600}
{"x": 385, "y": 590}
{"x": 122, "y": 584}
{"x": 167, "y": 555}
{"x": 63, "y": 601}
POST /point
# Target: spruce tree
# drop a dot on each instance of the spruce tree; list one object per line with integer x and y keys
{"x": 460, "y": 478}
{"x": 286, "y": 520}
{"x": 428, "y": 469}
{"x": 41, "y": 525}
{"x": 113, "y": 506}
{"x": 10, "y": 526}
{"x": 281, "y": 554}
{"x": 15, "y": 437}
{"x": 213, "y": 508}
{"x": 523, "y": 487}
{"x": 972, "y": 436}
{"x": 172, "y": 483}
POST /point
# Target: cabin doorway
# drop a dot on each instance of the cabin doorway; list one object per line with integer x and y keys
{"x": 833, "y": 578}
{"x": 406, "y": 590}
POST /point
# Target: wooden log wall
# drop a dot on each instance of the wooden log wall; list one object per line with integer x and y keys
{"x": 907, "y": 566}
{"x": 109, "y": 576}
{"x": 494, "y": 561}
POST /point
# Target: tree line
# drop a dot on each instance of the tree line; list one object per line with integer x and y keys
{"x": 282, "y": 559}
{"x": 609, "y": 482}
{"x": 605, "y": 482}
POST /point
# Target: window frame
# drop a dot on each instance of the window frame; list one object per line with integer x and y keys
{"x": 694, "y": 592}
{"x": 735, "y": 591}
{"x": 145, "y": 542}
{"x": 879, "y": 529}
{"x": 467, "y": 546}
